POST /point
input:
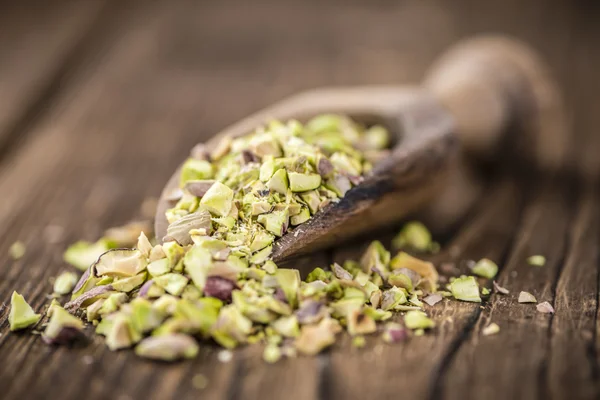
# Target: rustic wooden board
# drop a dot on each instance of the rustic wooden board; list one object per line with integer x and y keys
{"x": 41, "y": 42}
{"x": 162, "y": 76}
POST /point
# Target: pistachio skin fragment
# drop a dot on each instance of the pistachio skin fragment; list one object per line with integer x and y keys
{"x": 21, "y": 314}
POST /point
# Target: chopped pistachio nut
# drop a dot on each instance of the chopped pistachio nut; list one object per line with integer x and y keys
{"x": 415, "y": 236}
{"x": 169, "y": 347}
{"x": 465, "y": 288}
{"x": 83, "y": 254}
{"x": 65, "y": 283}
{"x": 17, "y": 250}
{"x": 485, "y": 268}
{"x": 21, "y": 314}
{"x": 491, "y": 329}
{"x": 526, "y": 297}
{"x": 272, "y": 353}
{"x": 63, "y": 327}
{"x": 545, "y": 308}
{"x": 418, "y": 320}
{"x": 537, "y": 260}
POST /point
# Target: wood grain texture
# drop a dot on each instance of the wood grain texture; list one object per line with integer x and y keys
{"x": 164, "y": 76}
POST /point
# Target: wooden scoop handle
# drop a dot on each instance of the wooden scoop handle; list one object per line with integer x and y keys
{"x": 498, "y": 90}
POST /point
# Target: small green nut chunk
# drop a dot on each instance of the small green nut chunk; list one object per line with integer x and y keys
{"x": 173, "y": 283}
{"x": 304, "y": 182}
{"x": 193, "y": 170}
{"x": 261, "y": 240}
{"x": 526, "y": 297}
{"x": 120, "y": 262}
{"x": 267, "y": 169}
{"x": 83, "y": 254}
{"x": 485, "y": 268}
{"x": 275, "y": 222}
{"x": 465, "y": 288}
{"x": 359, "y": 323}
{"x": 120, "y": 334}
{"x": 218, "y": 200}
{"x": 289, "y": 282}
{"x": 17, "y": 250}
{"x": 261, "y": 256}
{"x": 414, "y": 235}
{"x": 126, "y": 285}
{"x": 169, "y": 347}
{"x": 21, "y": 314}
{"x": 65, "y": 283}
{"x": 197, "y": 262}
{"x": 536, "y": 261}
{"x": 264, "y": 145}
{"x": 63, "y": 327}
{"x": 312, "y": 200}
{"x": 279, "y": 182}
{"x": 314, "y": 338}
{"x": 272, "y": 353}
{"x": 159, "y": 267}
{"x": 418, "y": 320}
{"x": 287, "y": 326}
{"x": 300, "y": 218}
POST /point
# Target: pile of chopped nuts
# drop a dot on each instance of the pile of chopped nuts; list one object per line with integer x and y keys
{"x": 212, "y": 278}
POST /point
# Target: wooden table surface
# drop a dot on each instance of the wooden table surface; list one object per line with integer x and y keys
{"x": 99, "y": 101}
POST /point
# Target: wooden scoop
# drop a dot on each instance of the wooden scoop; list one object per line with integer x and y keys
{"x": 478, "y": 90}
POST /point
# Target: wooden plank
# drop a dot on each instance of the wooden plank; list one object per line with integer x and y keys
{"x": 40, "y": 42}
{"x": 477, "y": 370}
{"x": 410, "y": 367}
{"x": 572, "y": 368}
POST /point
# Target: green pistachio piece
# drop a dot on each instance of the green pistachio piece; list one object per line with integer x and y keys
{"x": 485, "y": 268}
{"x": 314, "y": 338}
{"x": 346, "y": 164}
{"x": 491, "y": 329}
{"x": 414, "y": 235}
{"x": 144, "y": 245}
{"x": 197, "y": 263}
{"x": 83, "y": 254}
{"x": 169, "y": 347}
{"x": 339, "y": 184}
{"x": 537, "y": 261}
{"x": 112, "y": 303}
{"x": 275, "y": 222}
{"x": 287, "y": 326}
{"x": 231, "y": 328}
{"x": 375, "y": 256}
{"x": 400, "y": 280}
{"x": 201, "y": 314}
{"x": 65, "y": 283}
{"x": 267, "y": 168}
{"x": 344, "y": 307}
{"x": 172, "y": 283}
{"x": 264, "y": 145}
{"x": 300, "y": 218}
{"x": 279, "y": 182}
{"x": 318, "y": 274}
{"x": 424, "y": 269}
{"x": 392, "y": 298}
{"x": 174, "y": 252}
{"x": 261, "y": 240}
{"x": 252, "y": 308}
{"x": 418, "y": 320}
{"x": 304, "y": 182}
{"x": 218, "y": 199}
{"x": 63, "y": 327}
{"x": 193, "y": 170}
{"x": 324, "y": 123}
{"x": 359, "y": 323}
{"x": 120, "y": 262}
{"x": 159, "y": 267}
{"x": 376, "y": 137}
{"x": 261, "y": 256}
{"x": 272, "y": 353}
{"x": 289, "y": 282}
{"x": 121, "y": 334}
{"x": 92, "y": 311}
{"x": 312, "y": 200}
{"x": 21, "y": 314}
{"x": 261, "y": 207}
{"x": 17, "y": 250}
{"x": 128, "y": 284}
{"x": 377, "y": 314}
{"x": 269, "y": 267}
{"x": 526, "y": 297}
{"x": 465, "y": 288}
